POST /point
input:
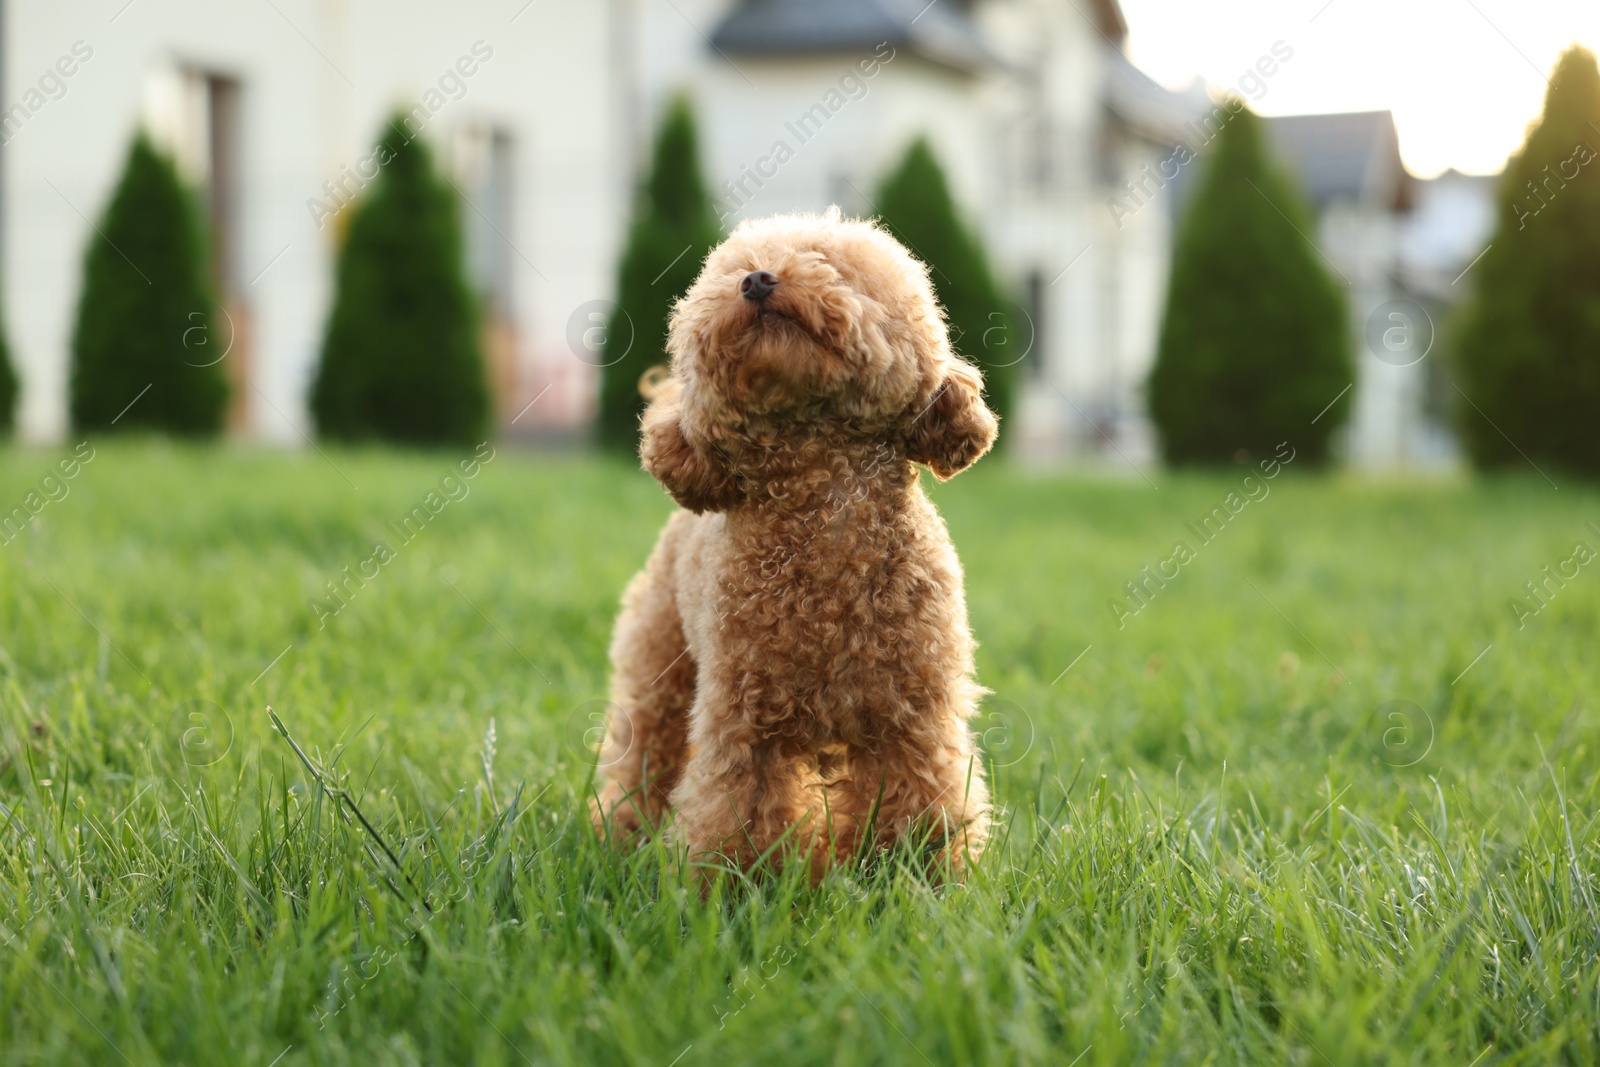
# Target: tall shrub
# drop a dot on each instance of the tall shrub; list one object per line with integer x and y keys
{"x": 674, "y": 226}
{"x": 1528, "y": 345}
{"x": 1254, "y": 342}
{"x": 145, "y": 313}
{"x": 8, "y": 386}
{"x": 401, "y": 360}
{"x": 915, "y": 205}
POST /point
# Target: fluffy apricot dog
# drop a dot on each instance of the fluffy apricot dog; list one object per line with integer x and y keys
{"x": 793, "y": 664}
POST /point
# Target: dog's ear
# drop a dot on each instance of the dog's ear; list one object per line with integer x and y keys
{"x": 694, "y": 473}
{"x": 954, "y": 427}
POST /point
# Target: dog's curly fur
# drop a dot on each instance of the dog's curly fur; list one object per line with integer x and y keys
{"x": 795, "y": 654}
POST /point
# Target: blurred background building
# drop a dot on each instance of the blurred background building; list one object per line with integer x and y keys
{"x": 541, "y": 113}
{"x": 1393, "y": 239}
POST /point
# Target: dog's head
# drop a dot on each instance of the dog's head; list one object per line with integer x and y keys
{"x": 805, "y": 321}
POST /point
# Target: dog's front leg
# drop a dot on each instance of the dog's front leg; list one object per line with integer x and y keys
{"x": 924, "y": 787}
{"x": 739, "y": 798}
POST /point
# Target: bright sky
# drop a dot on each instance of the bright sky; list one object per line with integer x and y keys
{"x": 1463, "y": 77}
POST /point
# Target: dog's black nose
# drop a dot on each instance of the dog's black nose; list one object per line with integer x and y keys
{"x": 758, "y": 285}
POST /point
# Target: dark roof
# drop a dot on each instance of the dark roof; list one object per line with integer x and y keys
{"x": 1353, "y": 156}
{"x": 941, "y": 32}
{"x": 1148, "y": 107}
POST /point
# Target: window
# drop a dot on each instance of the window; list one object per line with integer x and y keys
{"x": 194, "y": 116}
{"x": 482, "y": 164}
{"x": 481, "y": 160}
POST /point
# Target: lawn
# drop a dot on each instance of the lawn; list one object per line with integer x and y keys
{"x": 1325, "y": 797}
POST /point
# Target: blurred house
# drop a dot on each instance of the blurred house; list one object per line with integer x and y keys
{"x": 1038, "y": 118}
{"x": 1449, "y": 226}
{"x": 1397, "y": 245}
{"x": 1058, "y": 149}
{"x": 1349, "y": 167}
{"x": 272, "y": 110}
{"x": 542, "y": 115}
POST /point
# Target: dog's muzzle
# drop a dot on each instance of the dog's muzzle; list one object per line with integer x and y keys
{"x": 758, "y": 285}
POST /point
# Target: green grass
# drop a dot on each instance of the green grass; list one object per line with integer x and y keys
{"x": 1216, "y": 842}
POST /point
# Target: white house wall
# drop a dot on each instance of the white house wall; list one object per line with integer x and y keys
{"x": 1144, "y": 244}
{"x": 60, "y": 168}
{"x": 1360, "y": 242}
{"x": 578, "y": 87}
{"x": 845, "y": 159}
{"x": 1104, "y": 278}
{"x": 547, "y": 85}
{"x": 305, "y": 116}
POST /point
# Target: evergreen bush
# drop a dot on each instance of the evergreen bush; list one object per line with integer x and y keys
{"x": 145, "y": 314}
{"x": 9, "y": 386}
{"x": 915, "y": 205}
{"x": 1528, "y": 343}
{"x": 401, "y": 360}
{"x": 1254, "y": 342}
{"x": 674, "y": 226}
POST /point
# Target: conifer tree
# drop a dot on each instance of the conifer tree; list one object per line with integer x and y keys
{"x": 144, "y": 319}
{"x": 9, "y": 387}
{"x": 915, "y": 205}
{"x": 1254, "y": 341}
{"x": 401, "y": 360}
{"x": 674, "y": 226}
{"x": 1528, "y": 343}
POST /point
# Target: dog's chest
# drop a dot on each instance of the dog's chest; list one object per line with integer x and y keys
{"x": 815, "y": 600}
